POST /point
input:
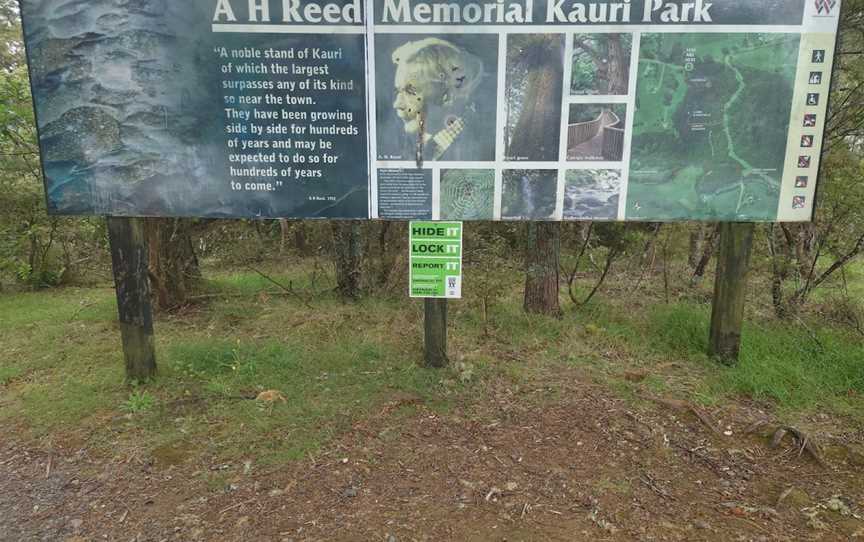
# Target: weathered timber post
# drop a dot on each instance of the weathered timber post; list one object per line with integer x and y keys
{"x": 435, "y": 332}
{"x": 132, "y": 284}
{"x": 730, "y": 286}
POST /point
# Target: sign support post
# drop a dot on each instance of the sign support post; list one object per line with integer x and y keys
{"x": 435, "y": 274}
{"x": 131, "y": 282}
{"x": 435, "y": 333}
{"x": 730, "y": 286}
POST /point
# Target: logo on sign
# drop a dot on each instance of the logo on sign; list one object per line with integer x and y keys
{"x": 825, "y": 6}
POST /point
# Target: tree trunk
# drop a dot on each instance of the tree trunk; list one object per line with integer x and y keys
{"x": 697, "y": 238}
{"x": 301, "y": 242}
{"x": 348, "y": 258}
{"x": 284, "y": 229}
{"x": 542, "y": 264}
{"x": 804, "y": 250}
{"x": 707, "y": 251}
{"x": 174, "y": 269}
{"x": 780, "y": 263}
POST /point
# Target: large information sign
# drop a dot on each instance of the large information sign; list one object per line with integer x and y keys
{"x": 433, "y": 109}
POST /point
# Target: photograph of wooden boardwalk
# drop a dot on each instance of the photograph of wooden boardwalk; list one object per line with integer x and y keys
{"x": 599, "y": 139}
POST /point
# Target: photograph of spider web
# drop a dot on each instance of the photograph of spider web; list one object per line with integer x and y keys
{"x": 467, "y": 194}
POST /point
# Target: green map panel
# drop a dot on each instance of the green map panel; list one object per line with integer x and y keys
{"x": 711, "y": 125}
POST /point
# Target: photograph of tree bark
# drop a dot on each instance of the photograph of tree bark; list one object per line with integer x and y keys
{"x": 534, "y": 87}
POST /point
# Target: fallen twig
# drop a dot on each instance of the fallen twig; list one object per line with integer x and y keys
{"x": 236, "y": 505}
{"x": 654, "y": 487}
{"x": 289, "y": 289}
{"x": 11, "y": 459}
{"x": 802, "y": 441}
{"x": 690, "y": 407}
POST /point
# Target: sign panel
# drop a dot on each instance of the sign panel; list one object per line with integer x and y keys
{"x": 435, "y": 260}
{"x": 200, "y": 107}
{"x": 648, "y": 110}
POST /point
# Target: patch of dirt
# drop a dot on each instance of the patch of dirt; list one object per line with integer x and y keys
{"x": 549, "y": 461}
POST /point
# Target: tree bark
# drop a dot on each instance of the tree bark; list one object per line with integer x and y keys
{"x": 129, "y": 263}
{"x": 727, "y": 314}
{"x": 781, "y": 259}
{"x": 173, "y": 264}
{"x": 348, "y": 258}
{"x": 708, "y": 247}
{"x": 542, "y": 265}
{"x": 435, "y": 333}
{"x": 697, "y": 238}
{"x": 284, "y": 229}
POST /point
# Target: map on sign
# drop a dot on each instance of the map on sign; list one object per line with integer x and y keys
{"x": 705, "y": 138}
{"x": 642, "y": 110}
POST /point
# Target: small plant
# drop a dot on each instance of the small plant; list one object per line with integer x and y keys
{"x": 139, "y": 401}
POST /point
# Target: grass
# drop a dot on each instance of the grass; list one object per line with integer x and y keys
{"x": 782, "y": 363}
{"x": 333, "y": 366}
{"x": 338, "y": 364}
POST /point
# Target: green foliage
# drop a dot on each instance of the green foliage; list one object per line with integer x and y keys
{"x": 793, "y": 366}
{"x": 11, "y": 44}
{"x": 139, "y": 401}
{"x": 35, "y": 249}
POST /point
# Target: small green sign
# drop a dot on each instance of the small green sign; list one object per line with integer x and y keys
{"x": 436, "y": 260}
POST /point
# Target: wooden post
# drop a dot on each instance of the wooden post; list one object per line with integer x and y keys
{"x": 727, "y": 312}
{"x": 131, "y": 282}
{"x": 435, "y": 332}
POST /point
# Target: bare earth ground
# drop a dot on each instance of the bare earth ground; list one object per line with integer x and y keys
{"x": 561, "y": 458}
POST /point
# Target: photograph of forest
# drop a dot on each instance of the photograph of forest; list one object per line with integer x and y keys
{"x": 533, "y": 95}
{"x": 601, "y": 64}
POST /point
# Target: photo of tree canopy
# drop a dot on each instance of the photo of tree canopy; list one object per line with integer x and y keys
{"x": 601, "y": 64}
{"x": 535, "y": 72}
